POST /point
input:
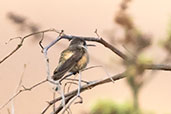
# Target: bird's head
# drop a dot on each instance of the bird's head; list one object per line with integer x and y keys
{"x": 78, "y": 42}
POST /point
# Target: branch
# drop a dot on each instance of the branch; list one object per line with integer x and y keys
{"x": 118, "y": 52}
{"x": 22, "y": 41}
{"x": 98, "y": 40}
{"x": 94, "y": 39}
{"x": 92, "y": 84}
{"x": 23, "y": 90}
{"x": 158, "y": 67}
{"x": 71, "y": 94}
{"x": 16, "y": 90}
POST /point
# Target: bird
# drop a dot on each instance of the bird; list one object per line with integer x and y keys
{"x": 73, "y": 59}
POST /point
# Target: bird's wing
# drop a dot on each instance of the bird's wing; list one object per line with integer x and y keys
{"x": 67, "y": 65}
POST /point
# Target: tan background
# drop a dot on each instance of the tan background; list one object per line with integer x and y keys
{"x": 79, "y": 17}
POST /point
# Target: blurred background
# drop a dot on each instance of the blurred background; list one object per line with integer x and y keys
{"x": 82, "y": 17}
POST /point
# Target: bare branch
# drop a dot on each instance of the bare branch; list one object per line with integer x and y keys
{"x": 158, "y": 67}
{"x": 22, "y": 41}
{"x": 77, "y": 80}
{"x": 101, "y": 41}
{"x": 13, "y": 39}
{"x": 54, "y": 96}
{"x": 97, "y": 33}
{"x": 69, "y": 85}
{"x": 94, "y": 39}
{"x": 40, "y": 42}
{"x": 71, "y": 94}
{"x": 92, "y": 84}
{"x": 16, "y": 90}
{"x": 23, "y": 90}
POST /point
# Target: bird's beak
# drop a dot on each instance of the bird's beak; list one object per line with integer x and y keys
{"x": 91, "y": 45}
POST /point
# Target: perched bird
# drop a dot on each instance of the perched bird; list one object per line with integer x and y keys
{"x": 73, "y": 59}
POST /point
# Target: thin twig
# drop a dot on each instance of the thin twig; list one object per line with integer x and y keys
{"x": 22, "y": 41}
{"x": 69, "y": 104}
{"x": 97, "y": 33}
{"x": 158, "y": 67}
{"x": 86, "y": 82}
{"x": 91, "y": 67}
{"x": 78, "y": 93}
{"x": 16, "y": 90}
{"x": 71, "y": 94}
{"x": 81, "y": 100}
{"x": 60, "y": 107}
{"x": 13, "y": 39}
{"x": 23, "y": 90}
{"x": 70, "y": 74}
{"x": 69, "y": 86}
{"x": 54, "y": 96}
{"x": 40, "y": 42}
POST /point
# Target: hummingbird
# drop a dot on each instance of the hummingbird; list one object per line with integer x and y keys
{"x": 73, "y": 59}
